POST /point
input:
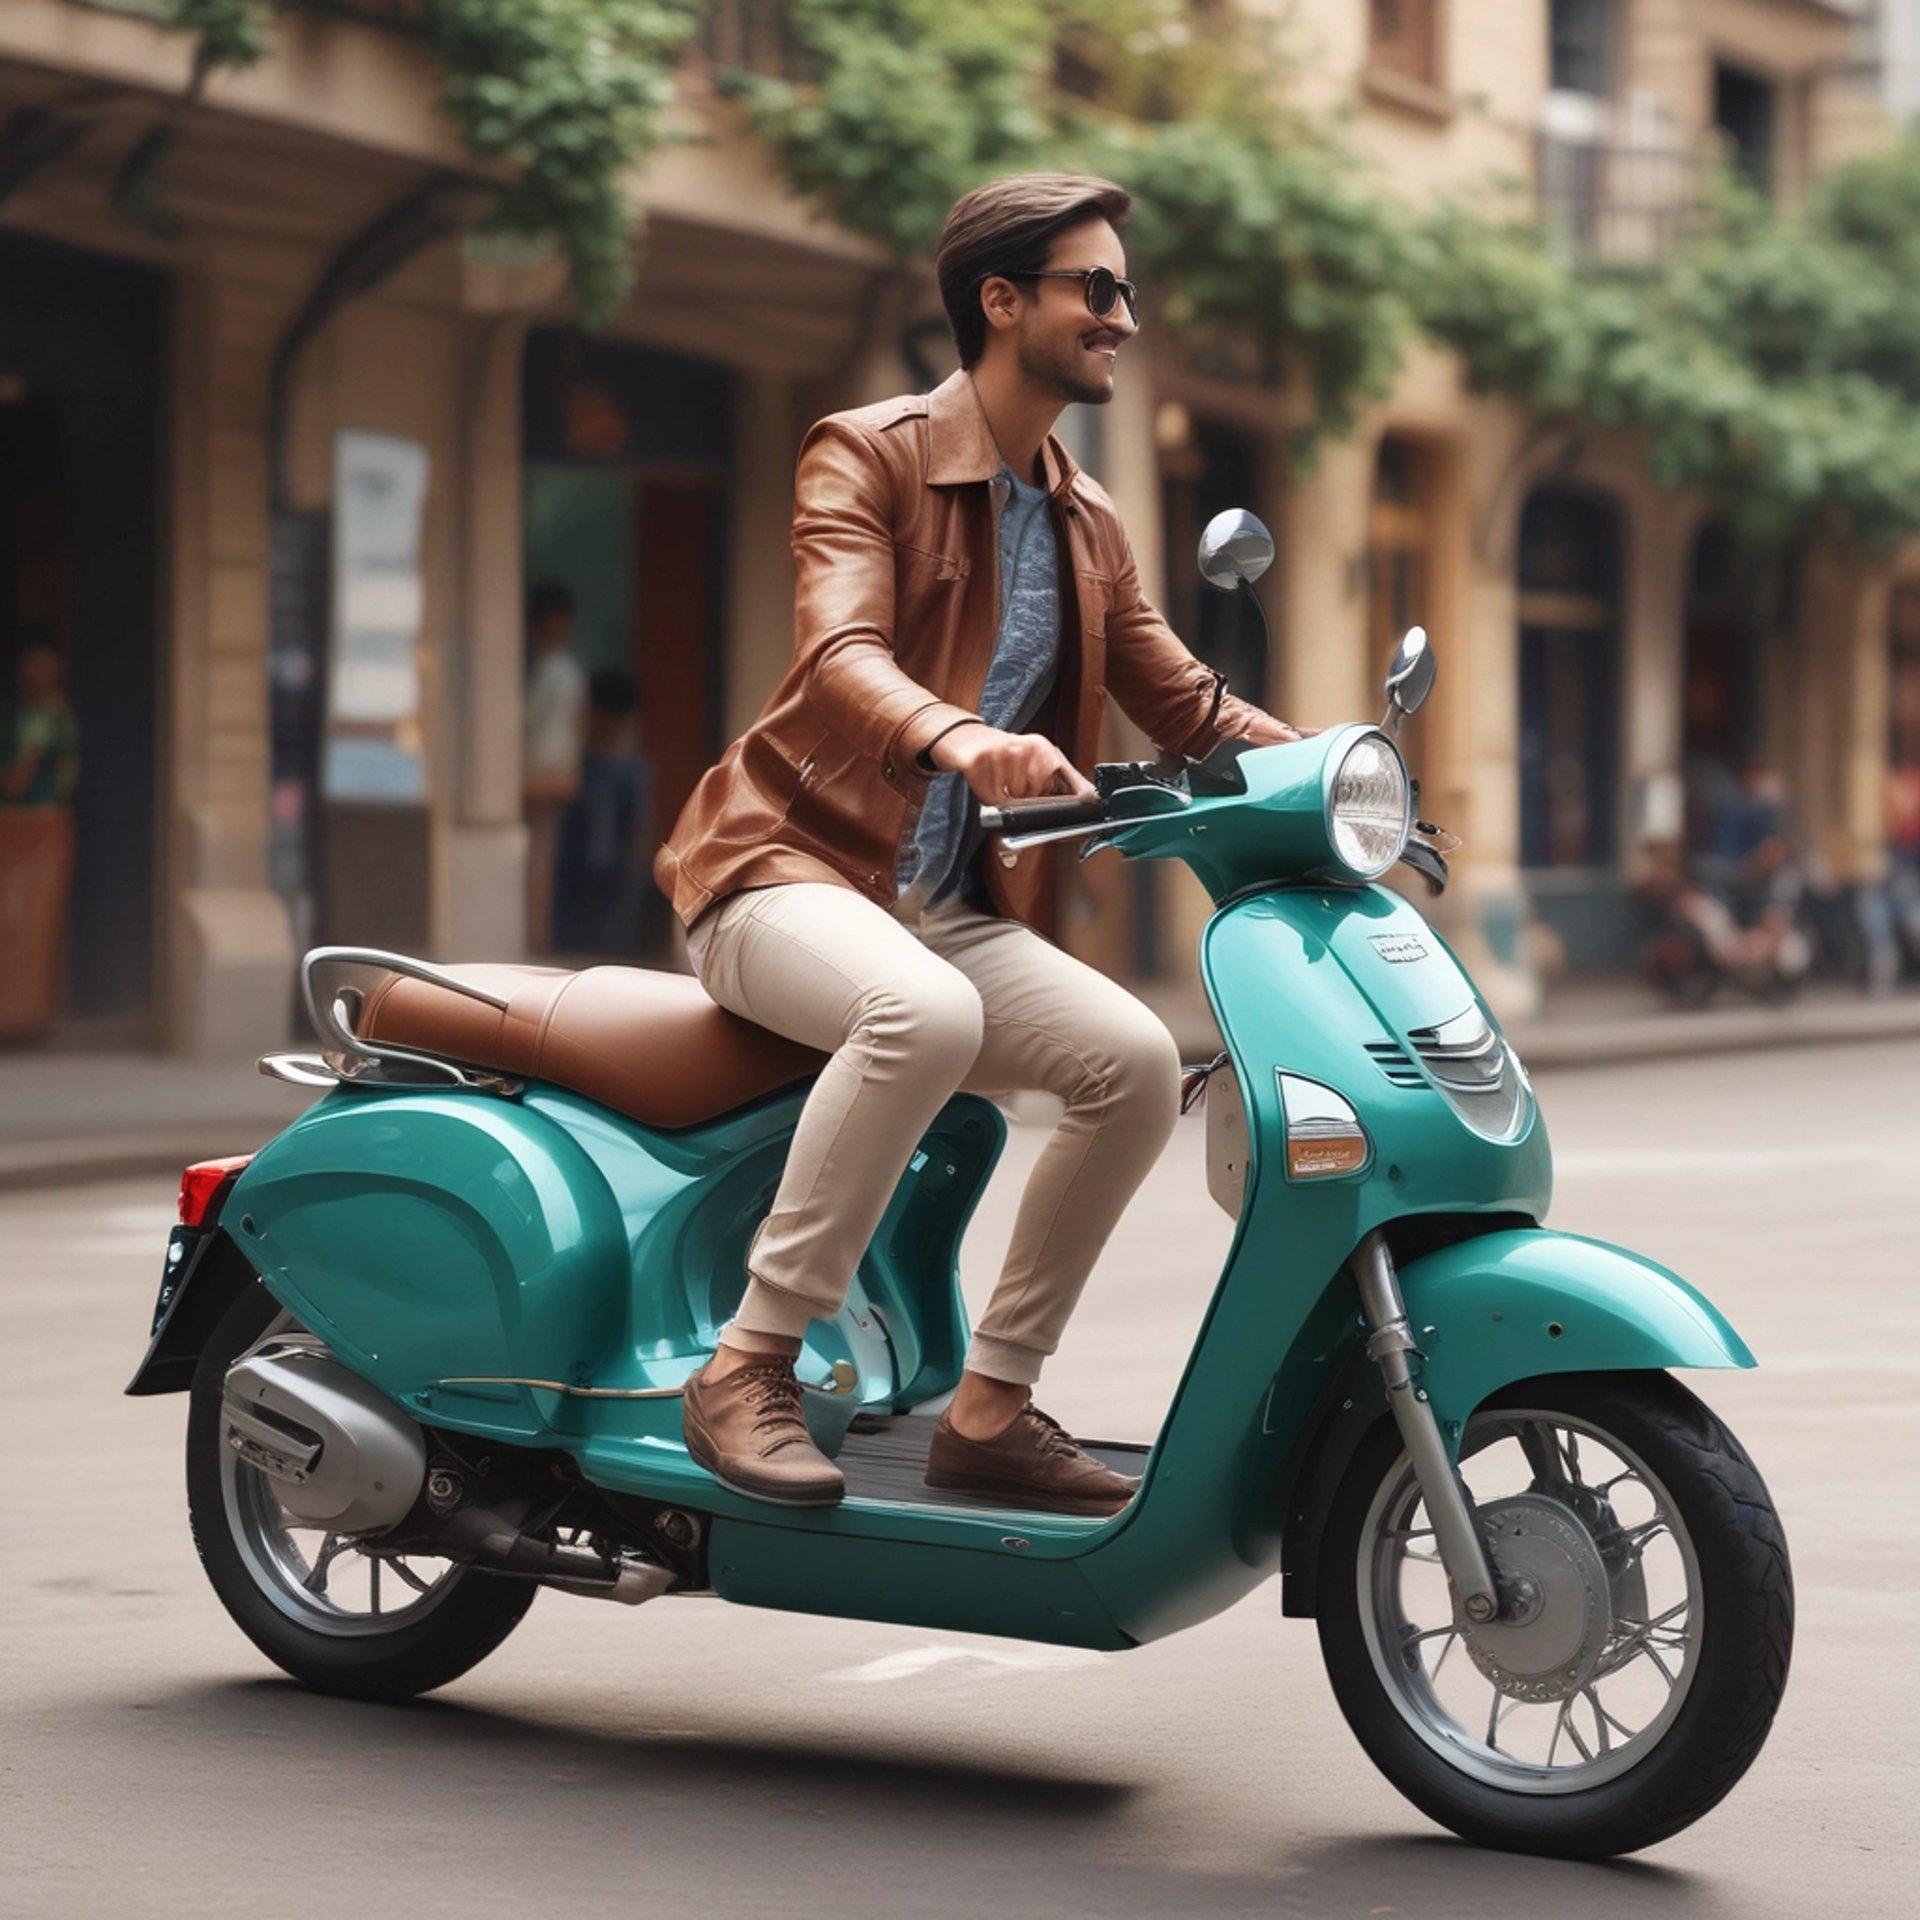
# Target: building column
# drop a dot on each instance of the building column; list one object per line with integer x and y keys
{"x": 481, "y": 898}
{"x": 1489, "y": 923}
{"x": 759, "y": 574}
{"x": 1102, "y": 900}
{"x": 1833, "y": 729}
{"x": 1653, "y": 670}
{"x": 1861, "y": 856}
{"x": 229, "y": 949}
{"x": 1322, "y": 602}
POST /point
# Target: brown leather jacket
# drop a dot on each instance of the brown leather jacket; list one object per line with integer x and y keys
{"x": 896, "y": 613}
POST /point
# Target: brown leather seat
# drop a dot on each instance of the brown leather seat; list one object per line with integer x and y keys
{"x": 649, "y": 1045}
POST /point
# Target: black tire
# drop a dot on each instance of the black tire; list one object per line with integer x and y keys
{"x": 1741, "y": 1670}
{"x": 474, "y": 1613}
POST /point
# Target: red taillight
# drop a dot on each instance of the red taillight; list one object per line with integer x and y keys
{"x": 200, "y": 1186}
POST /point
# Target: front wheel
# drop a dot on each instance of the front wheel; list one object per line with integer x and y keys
{"x": 331, "y": 1609}
{"x": 1645, "y": 1628}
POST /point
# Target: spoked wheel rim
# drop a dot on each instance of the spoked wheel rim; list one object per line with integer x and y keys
{"x": 1600, "y": 1637}
{"x": 333, "y": 1583}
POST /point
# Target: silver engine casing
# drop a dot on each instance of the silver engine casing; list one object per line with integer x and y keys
{"x": 339, "y": 1452}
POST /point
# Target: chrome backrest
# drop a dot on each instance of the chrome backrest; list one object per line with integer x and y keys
{"x": 334, "y": 1004}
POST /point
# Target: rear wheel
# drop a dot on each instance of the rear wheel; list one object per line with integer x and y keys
{"x": 1645, "y": 1629}
{"x": 330, "y": 1609}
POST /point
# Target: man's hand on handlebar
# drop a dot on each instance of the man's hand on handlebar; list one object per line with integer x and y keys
{"x": 1009, "y": 766}
{"x": 1268, "y": 732}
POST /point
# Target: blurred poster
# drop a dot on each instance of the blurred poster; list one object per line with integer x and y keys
{"x": 375, "y": 745}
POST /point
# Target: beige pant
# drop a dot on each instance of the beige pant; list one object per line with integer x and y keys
{"x": 913, "y": 1007}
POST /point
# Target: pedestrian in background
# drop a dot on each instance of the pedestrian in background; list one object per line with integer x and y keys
{"x": 601, "y": 855}
{"x": 1903, "y": 846}
{"x": 39, "y": 770}
{"x": 556, "y": 713}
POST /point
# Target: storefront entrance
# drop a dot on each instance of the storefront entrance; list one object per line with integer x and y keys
{"x": 629, "y": 459}
{"x": 1570, "y": 596}
{"x": 79, "y": 643}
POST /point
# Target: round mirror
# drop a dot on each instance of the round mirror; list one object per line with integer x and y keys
{"x": 1410, "y": 677}
{"x": 1235, "y": 550}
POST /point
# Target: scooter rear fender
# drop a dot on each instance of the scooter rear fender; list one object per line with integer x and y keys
{"x": 543, "y": 1271}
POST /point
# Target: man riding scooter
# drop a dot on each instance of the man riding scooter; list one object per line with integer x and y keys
{"x": 949, "y": 558}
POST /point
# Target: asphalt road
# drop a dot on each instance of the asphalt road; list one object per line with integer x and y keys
{"x": 696, "y": 1758}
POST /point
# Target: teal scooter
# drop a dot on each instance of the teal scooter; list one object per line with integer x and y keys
{"x": 435, "y": 1335}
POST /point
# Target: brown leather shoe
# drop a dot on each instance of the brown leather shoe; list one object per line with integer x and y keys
{"x": 749, "y": 1431}
{"x": 1032, "y": 1463}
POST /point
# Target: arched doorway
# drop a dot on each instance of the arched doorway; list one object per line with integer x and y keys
{"x": 1570, "y": 572}
{"x": 629, "y": 465}
{"x": 79, "y": 593}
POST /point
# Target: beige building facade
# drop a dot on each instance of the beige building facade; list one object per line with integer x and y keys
{"x": 1604, "y": 663}
{"x": 368, "y": 436}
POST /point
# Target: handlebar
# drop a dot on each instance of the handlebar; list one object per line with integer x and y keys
{"x": 1039, "y": 816}
{"x": 1127, "y": 791}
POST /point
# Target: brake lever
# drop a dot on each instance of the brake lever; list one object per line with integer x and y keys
{"x": 1428, "y": 862}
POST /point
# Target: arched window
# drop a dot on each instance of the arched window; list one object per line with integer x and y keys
{"x": 1570, "y": 558}
{"x": 1211, "y": 468}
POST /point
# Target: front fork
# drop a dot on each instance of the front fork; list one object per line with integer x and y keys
{"x": 1391, "y": 1346}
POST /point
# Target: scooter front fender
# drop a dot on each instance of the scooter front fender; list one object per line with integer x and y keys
{"x": 1509, "y": 1306}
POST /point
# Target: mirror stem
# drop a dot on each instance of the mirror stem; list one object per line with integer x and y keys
{"x": 1246, "y": 593}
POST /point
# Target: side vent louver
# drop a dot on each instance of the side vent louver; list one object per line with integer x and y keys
{"x": 1476, "y": 1073}
{"x": 1396, "y": 1063}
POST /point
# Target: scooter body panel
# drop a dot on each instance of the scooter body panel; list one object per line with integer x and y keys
{"x": 1510, "y": 1306}
{"x": 1299, "y": 985}
{"x": 546, "y": 1272}
{"x": 993, "y": 1582}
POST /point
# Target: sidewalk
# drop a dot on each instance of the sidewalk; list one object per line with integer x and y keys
{"x": 1612, "y": 1022}
{"x": 84, "y": 1116}
{"x": 80, "y": 1116}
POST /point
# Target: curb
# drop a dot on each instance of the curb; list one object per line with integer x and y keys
{"x": 161, "y": 1152}
{"x": 1656, "y": 1035}
{"x": 1662, "y": 1036}
{"x": 157, "y": 1152}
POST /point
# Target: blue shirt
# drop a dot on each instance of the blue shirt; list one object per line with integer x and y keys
{"x": 1026, "y": 660}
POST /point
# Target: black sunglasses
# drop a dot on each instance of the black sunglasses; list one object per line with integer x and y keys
{"x": 1103, "y": 287}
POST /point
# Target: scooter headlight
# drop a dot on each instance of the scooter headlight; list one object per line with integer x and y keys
{"x": 1370, "y": 811}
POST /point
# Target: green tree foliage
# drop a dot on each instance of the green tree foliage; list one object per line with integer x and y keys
{"x": 568, "y": 92}
{"x": 1250, "y": 224}
{"x": 1274, "y": 241}
{"x": 1774, "y": 362}
{"x": 571, "y": 93}
{"x": 231, "y": 33}
{"x": 905, "y": 98}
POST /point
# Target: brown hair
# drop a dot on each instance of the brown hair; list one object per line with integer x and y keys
{"x": 1008, "y": 227}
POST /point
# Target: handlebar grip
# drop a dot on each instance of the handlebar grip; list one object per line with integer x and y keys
{"x": 1037, "y": 816}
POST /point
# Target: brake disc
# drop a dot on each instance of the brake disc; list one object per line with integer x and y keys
{"x": 1556, "y": 1601}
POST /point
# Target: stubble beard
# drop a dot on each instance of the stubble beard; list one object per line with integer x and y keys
{"x": 1063, "y": 377}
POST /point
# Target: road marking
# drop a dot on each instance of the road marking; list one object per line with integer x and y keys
{"x": 912, "y": 1661}
{"x": 1639, "y": 1163}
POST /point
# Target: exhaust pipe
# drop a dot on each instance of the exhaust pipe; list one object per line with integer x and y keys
{"x": 496, "y": 1542}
